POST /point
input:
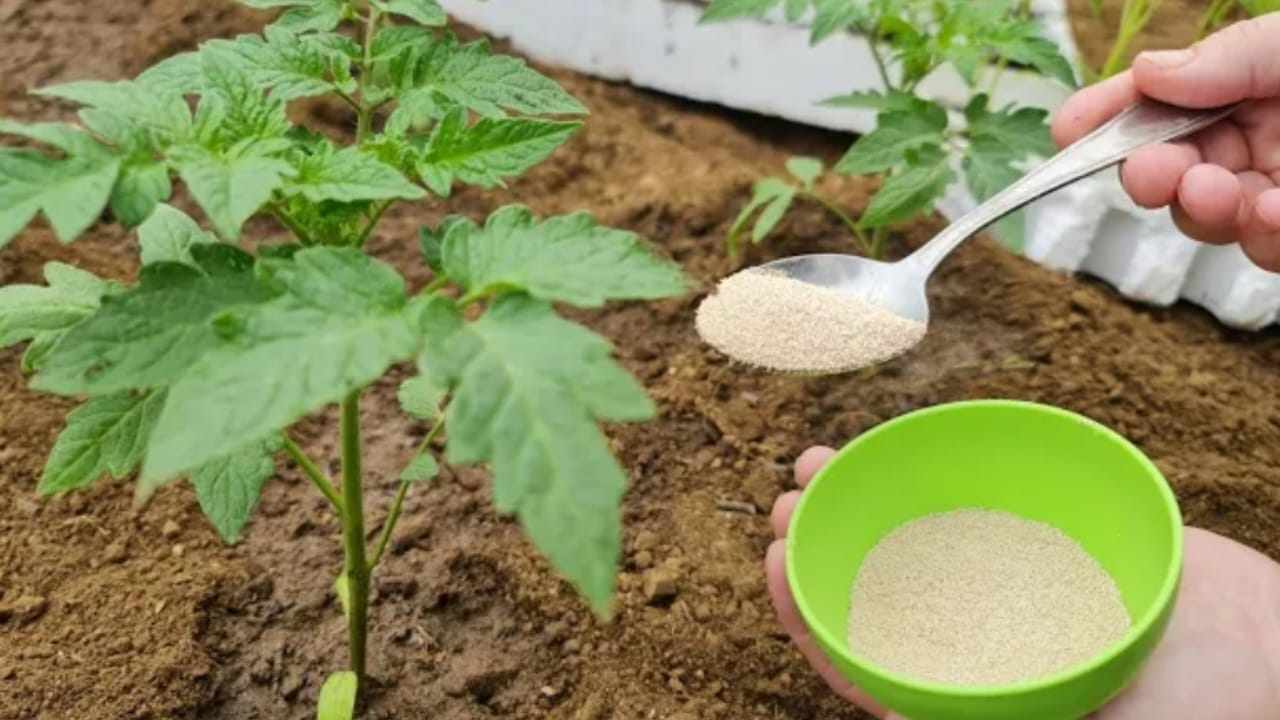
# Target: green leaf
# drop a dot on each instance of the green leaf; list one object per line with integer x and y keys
{"x": 106, "y": 435}
{"x": 71, "y": 191}
{"x": 721, "y": 10}
{"x": 528, "y": 388}
{"x": 431, "y": 242}
{"x": 568, "y": 258}
{"x": 909, "y": 191}
{"x": 805, "y": 169}
{"x": 342, "y": 589}
{"x": 441, "y": 73}
{"x": 420, "y": 397}
{"x": 293, "y": 66}
{"x": 168, "y": 236}
{"x": 130, "y": 115}
{"x": 338, "y": 697}
{"x": 348, "y": 175}
{"x": 305, "y": 15}
{"x": 424, "y": 12}
{"x": 423, "y": 468}
{"x": 873, "y": 100}
{"x": 769, "y": 218}
{"x": 232, "y": 188}
{"x": 1021, "y": 132}
{"x": 1024, "y": 45}
{"x": 140, "y": 189}
{"x": 149, "y": 336}
{"x": 775, "y": 197}
{"x": 488, "y": 152}
{"x": 836, "y": 16}
{"x": 897, "y": 132}
{"x": 179, "y": 74}
{"x": 234, "y": 112}
{"x": 31, "y": 311}
{"x": 343, "y": 321}
{"x": 228, "y": 487}
{"x": 1260, "y": 7}
{"x": 796, "y": 10}
{"x": 988, "y": 169}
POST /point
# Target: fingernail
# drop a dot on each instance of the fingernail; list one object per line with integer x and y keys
{"x": 1268, "y": 208}
{"x": 1168, "y": 59}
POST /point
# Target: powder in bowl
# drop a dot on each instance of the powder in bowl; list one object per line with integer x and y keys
{"x": 979, "y": 598}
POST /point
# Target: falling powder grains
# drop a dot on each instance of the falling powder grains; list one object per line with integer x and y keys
{"x": 775, "y": 322}
{"x": 978, "y": 597}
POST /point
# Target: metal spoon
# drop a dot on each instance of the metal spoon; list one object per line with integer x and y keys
{"x": 900, "y": 286}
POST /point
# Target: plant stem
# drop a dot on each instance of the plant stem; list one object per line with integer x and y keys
{"x": 364, "y": 110}
{"x": 292, "y": 225}
{"x": 314, "y": 473}
{"x": 373, "y": 222}
{"x": 878, "y": 239}
{"x": 848, "y": 221}
{"x": 357, "y": 566}
{"x": 393, "y": 516}
{"x": 436, "y": 285}
{"x": 880, "y": 66}
{"x": 1133, "y": 19}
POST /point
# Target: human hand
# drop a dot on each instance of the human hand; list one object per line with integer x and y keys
{"x": 1222, "y": 184}
{"x": 1219, "y": 659}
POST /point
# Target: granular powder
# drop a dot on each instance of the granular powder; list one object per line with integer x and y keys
{"x": 775, "y": 322}
{"x": 978, "y": 597}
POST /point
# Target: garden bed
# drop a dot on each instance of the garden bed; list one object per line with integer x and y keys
{"x": 109, "y": 613}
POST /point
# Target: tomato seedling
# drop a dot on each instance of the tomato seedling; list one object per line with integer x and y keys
{"x": 199, "y": 370}
{"x": 916, "y": 147}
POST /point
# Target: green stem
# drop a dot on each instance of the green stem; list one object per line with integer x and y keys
{"x": 398, "y": 505}
{"x": 879, "y": 237}
{"x": 880, "y": 64}
{"x": 314, "y": 473}
{"x": 357, "y": 565}
{"x": 844, "y": 217}
{"x": 286, "y": 220}
{"x": 436, "y": 285}
{"x": 472, "y": 298}
{"x": 364, "y": 110}
{"x": 373, "y": 222}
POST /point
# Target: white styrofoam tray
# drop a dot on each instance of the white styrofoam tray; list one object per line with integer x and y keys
{"x": 769, "y": 67}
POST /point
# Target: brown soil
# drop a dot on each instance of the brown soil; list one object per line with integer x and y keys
{"x": 1176, "y": 24}
{"x": 107, "y": 613}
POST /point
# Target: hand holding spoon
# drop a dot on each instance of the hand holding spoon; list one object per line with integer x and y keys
{"x": 899, "y": 287}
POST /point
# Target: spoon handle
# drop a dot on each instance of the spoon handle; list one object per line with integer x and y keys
{"x": 1145, "y": 123}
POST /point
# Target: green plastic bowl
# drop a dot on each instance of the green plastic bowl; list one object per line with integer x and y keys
{"x": 1035, "y": 461}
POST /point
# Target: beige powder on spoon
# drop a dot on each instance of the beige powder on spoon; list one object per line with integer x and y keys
{"x": 775, "y": 322}
{"x": 980, "y": 597}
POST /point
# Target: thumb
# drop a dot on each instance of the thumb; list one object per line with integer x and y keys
{"x": 1236, "y": 63}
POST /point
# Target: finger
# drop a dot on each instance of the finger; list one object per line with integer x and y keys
{"x": 1224, "y": 144}
{"x": 810, "y": 462}
{"x": 1151, "y": 175}
{"x": 1212, "y": 198}
{"x": 783, "y": 507}
{"x": 1260, "y": 240}
{"x": 1092, "y": 106}
{"x": 1201, "y": 233}
{"x": 1260, "y": 124}
{"x": 1267, "y": 210}
{"x": 789, "y": 616}
{"x": 1235, "y": 63}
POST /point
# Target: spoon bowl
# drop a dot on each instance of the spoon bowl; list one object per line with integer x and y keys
{"x": 892, "y": 286}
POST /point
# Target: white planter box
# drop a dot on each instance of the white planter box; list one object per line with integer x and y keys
{"x": 769, "y": 67}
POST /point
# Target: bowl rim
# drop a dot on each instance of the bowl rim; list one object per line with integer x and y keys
{"x": 1137, "y": 630}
